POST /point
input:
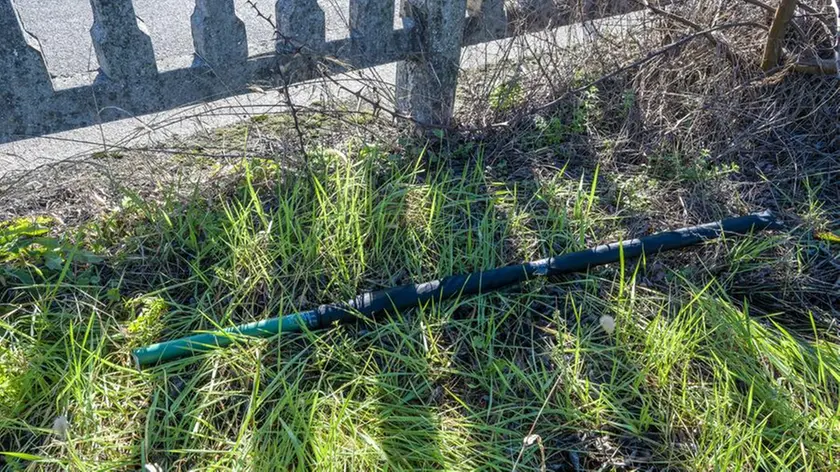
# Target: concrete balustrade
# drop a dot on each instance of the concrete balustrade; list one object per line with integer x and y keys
{"x": 486, "y": 21}
{"x": 426, "y": 80}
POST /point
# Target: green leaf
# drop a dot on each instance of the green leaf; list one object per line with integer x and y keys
{"x": 113, "y": 294}
{"x": 22, "y": 456}
{"x": 53, "y": 261}
{"x": 88, "y": 257}
{"x": 22, "y": 275}
{"x": 12, "y": 230}
{"x": 49, "y": 243}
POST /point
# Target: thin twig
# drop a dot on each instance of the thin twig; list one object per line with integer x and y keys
{"x": 534, "y": 424}
{"x": 716, "y": 41}
{"x": 375, "y": 104}
{"x": 260, "y": 14}
{"x": 649, "y": 57}
{"x": 760, "y": 4}
{"x": 285, "y": 88}
{"x": 293, "y": 111}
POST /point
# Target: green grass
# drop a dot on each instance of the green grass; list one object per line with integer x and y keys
{"x": 691, "y": 379}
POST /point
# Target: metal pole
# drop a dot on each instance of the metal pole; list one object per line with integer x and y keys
{"x": 412, "y": 295}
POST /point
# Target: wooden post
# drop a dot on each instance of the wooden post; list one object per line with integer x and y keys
{"x": 121, "y": 40}
{"x": 426, "y": 81}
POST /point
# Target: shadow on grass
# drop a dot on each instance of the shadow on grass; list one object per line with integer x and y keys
{"x": 460, "y": 385}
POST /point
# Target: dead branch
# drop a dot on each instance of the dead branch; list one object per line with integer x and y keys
{"x": 804, "y": 6}
{"x": 776, "y": 36}
{"x": 716, "y": 41}
{"x": 807, "y": 8}
{"x": 637, "y": 63}
{"x": 836, "y": 5}
{"x": 816, "y": 66}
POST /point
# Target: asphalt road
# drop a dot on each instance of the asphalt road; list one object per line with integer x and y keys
{"x": 62, "y": 27}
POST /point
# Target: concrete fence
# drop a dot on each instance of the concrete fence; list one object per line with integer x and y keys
{"x": 427, "y": 47}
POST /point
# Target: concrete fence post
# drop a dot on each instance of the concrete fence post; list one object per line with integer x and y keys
{"x": 371, "y": 26}
{"x": 486, "y": 21}
{"x": 219, "y": 37}
{"x": 24, "y": 80}
{"x": 301, "y": 26}
{"x": 121, "y": 40}
{"x": 426, "y": 80}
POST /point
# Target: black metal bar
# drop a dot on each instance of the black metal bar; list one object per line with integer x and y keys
{"x": 412, "y": 295}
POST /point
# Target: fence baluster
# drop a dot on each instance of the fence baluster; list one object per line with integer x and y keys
{"x": 219, "y": 36}
{"x": 21, "y": 59}
{"x": 121, "y": 40}
{"x": 301, "y": 26}
{"x": 371, "y": 26}
{"x": 24, "y": 80}
{"x": 487, "y": 20}
{"x": 426, "y": 81}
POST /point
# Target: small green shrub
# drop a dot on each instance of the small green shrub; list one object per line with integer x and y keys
{"x": 507, "y": 96}
{"x": 27, "y": 252}
{"x": 552, "y": 131}
{"x": 146, "y": 326}
{"x": 635, "y": 192}
{"x": 686, "y": 168}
